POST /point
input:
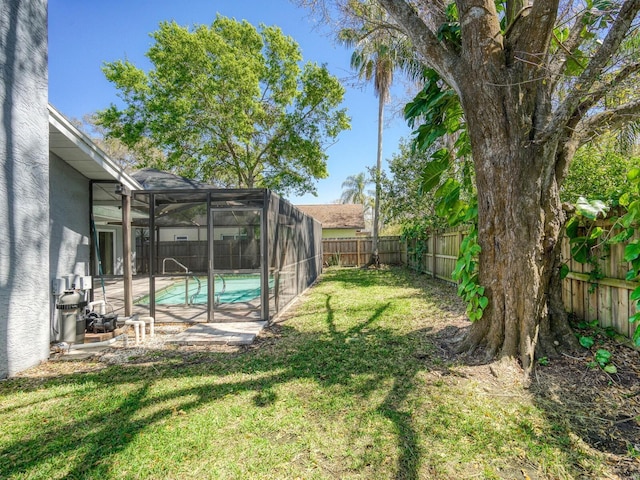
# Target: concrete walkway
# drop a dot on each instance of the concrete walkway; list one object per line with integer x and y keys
{"x": 232, "y": 333}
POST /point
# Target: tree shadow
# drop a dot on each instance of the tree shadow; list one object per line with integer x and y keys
{"x": 352, "y": 359}
{"x": 330, "y": 358}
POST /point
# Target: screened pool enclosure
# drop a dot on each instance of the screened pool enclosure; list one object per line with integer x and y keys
{"x": 201, "y": 254}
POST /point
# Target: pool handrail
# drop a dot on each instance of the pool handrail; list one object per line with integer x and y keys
{"x": 224, "y": 289}
{"x": 186, "y": 281}
{"x": 192, "y": 298}
{"x": 164, "y": 263}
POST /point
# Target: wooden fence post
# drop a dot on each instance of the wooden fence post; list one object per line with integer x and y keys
{"x": 434, "y": 245}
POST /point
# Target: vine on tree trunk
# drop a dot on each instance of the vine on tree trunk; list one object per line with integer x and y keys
{"x": 437, "y": 113}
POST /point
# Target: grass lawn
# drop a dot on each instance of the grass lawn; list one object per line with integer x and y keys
{"x": 354, "y": 383}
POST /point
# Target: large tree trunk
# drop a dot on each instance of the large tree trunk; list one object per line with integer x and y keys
{"x": 524, "y": 129}
{"x": 519, "y": 227}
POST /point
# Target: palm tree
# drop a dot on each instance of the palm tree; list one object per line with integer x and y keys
{"x": 376, "y": 56}
{"x": 353, "y": 189}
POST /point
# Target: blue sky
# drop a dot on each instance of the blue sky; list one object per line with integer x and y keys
{"x": 83, "y": 34}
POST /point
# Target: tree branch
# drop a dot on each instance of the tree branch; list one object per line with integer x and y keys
{"x": 533, "y": 28}
{"x": 611, "y": 119}
{"x": 594, "y": 69}
{"x": 591, "y": 127}
{"x": 601, "y": 89}
{"x": 482, "y": 40}
{"x": 435, "y": 54}
{"x": 573, "y": 41}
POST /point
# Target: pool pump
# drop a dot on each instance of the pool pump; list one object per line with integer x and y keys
{"x": 69, "y": 306}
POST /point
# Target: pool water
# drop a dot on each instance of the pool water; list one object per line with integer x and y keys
{"x": 234, "y": 289}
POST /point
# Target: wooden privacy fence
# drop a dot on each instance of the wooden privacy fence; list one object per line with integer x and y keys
{"x": 356, "y": 251}
{"x": 437, "y": 259}
{"x": 437, "y": 255}
{"x": 606, "y": 299}
{"x": 605, "y": 295}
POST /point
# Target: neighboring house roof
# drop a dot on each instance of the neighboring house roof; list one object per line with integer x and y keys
{"x": 78, "y": 151}
{"x": 336, "y": 215}
{"x": 153, "y": 179}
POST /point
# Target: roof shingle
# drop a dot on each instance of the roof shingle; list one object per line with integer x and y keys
{"x": 336, "y": 215}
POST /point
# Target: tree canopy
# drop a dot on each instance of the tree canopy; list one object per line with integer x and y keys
{"x": 229, "y": 104}
{"x": 599, "y": 172}
{"x": 354, "y": 189}
{"x": 377, "y": 55}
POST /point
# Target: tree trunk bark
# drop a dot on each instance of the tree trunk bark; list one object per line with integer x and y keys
{"x": 520, "y": 218}
{"x": 375, "y": 259}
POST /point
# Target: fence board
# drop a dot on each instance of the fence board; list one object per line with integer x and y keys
{"x": 592, "y": 304}
{"x": 356, "y": 252}
{"x": 622, "y": 321}
{"x": 439, "y": 259}
{"x": 605, "y": 299}
{"x": 577, "y": 297}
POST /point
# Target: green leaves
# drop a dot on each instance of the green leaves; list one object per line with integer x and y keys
{"x": 564, "y": 271}
{"x": 591, "y": 209}
{"x": 583, "y": 235}
{"x": 632, "y": 251}
{"x": 230, "y": 104}
{"x": 603, "y": 359}
{"x": 586, "y": 342}
{"x": 465, "y": 273}
{"x": 434, "y": 170}
{"x": 436, "y": 109}
{"x": 587, "y": 211}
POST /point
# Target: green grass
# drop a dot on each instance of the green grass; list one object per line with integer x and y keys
{"x": 350, "y": 386}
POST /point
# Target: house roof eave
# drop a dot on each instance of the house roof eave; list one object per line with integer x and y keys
{"x": 79, "y": 152}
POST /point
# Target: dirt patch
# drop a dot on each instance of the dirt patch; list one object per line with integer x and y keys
{"x": 602, "y": 409}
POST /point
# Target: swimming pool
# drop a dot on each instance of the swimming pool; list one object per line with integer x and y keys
{"x": 229, "y": 289}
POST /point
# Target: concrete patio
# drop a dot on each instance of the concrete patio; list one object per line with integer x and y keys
{"x": 234, "y": 333}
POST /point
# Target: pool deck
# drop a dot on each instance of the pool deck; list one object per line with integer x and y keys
{"x": 235, "y": 333}
{"x": 203, "y": 334}
{"x": 235, "y": 324}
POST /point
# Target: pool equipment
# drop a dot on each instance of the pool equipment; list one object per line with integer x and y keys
{"x": 97, "y": 309}
{"x": 67, "y": 322}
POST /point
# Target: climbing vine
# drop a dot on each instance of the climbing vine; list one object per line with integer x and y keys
{"x": 449, "y": 174}
{"x": 585, "y": 236}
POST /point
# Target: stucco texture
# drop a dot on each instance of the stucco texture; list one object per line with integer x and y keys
{"x": 24, "y": 186}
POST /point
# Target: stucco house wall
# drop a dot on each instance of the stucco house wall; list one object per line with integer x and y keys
{"x": 69, "y": 228}
{"x": 24, "y": 186}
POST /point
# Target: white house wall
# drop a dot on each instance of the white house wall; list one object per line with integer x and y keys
{"x": 69, "y": 229}
{"x": 24, "y": 186}
{"x": 171, "y": 234}
{"x": 69, "y": 245}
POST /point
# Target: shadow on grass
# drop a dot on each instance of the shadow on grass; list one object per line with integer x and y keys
{"x": 358, "y": 358}
{"x": 329, "y": 358}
